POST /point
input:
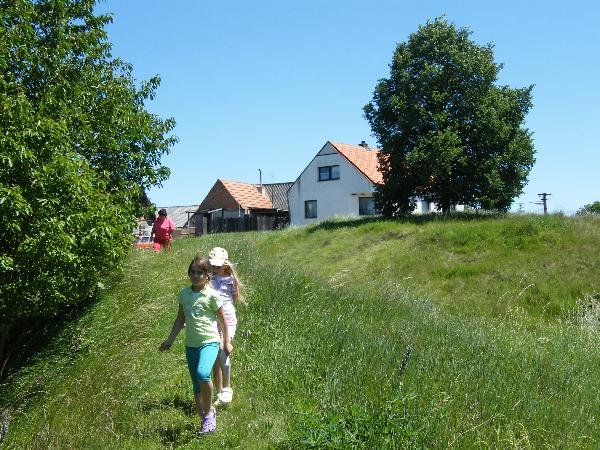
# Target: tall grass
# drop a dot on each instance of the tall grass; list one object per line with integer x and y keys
{"x": 532, "y": 269}
{"x": 332, "y": 351}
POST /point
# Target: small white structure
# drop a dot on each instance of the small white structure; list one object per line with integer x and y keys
{"x": 340, "y": 180}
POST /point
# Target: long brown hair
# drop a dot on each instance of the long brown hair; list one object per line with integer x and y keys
{"x": 241, "y": 291}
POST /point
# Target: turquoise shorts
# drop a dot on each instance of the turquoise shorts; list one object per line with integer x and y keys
{"x": 200, "y": 362}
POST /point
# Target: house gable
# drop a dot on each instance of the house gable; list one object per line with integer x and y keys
{"x": 233, "y": 195}
{"x": 340, "y": 194}
{"x": 327, "y": 149}
{"x": 219, "y": 197}
{"x": 247, "y": 195}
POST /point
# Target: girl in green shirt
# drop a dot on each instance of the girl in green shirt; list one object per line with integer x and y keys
{"x": 200, "y": 307}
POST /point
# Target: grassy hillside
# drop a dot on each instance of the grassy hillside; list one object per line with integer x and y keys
{"x": 368, "y": 334}
{"x": 526, "y": 268}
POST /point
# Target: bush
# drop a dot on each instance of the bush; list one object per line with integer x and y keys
{"x": 77, "y": 150}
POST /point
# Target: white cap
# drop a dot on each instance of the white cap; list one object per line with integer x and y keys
{"x": 217, "y": 256}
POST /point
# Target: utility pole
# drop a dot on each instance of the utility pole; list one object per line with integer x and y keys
{"x": 544, "y": 196}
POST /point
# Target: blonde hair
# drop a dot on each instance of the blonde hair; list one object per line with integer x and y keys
{"x": 241, "y": 291}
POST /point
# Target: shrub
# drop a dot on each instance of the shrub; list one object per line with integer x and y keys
{"x": 77, "y": 150}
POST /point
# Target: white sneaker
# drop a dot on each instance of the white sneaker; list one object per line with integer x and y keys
{"x": 226, "y": 395}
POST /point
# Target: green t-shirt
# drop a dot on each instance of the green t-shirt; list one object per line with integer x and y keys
{"x": 200, "y": 311}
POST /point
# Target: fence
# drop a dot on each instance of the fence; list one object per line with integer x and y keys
{"x": 245, "y": 223}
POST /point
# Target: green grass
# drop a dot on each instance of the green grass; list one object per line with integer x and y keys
{"x": 487, "y": 308}
{"x": 535, "y": 267}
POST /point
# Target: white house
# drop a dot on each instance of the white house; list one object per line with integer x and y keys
{"x": 340, "y": 180}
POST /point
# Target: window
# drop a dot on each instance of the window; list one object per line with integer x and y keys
{"x": 366, "y": 206}
{"x": 329, "y": 173}
{"x": 310, "y": 209}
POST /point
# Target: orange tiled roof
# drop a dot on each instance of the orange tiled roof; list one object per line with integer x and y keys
{"x": 364, "y": 160}
{"x": 247, "y": 195}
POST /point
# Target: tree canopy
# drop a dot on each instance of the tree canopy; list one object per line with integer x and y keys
{"x": 590, "y": 208}
{"x": 78, "y": 148}
{"x": 447, "y": 132}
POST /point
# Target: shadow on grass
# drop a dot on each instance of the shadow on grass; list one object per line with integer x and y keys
{"x": 44, "y": 338}
{"x": 30, "y": 338}
{"x": 177, "y": 435}
{"x": 414, "y": 219}
{"x": 176, "y": 402}
{"x": 174, "y": 435}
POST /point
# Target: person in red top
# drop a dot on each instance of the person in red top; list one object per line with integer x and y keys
{"x": 161, "y": 230}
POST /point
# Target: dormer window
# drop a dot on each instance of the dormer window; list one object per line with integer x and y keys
{"x": 329, "y": 173}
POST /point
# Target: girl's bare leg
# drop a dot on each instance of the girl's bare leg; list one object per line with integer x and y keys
{"x": 198, "y": 401}
{"x": 206, "y": 388}
{"x": 218, "y": 375}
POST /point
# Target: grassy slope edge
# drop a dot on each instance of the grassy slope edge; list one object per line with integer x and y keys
{"x": 332, "y": 310}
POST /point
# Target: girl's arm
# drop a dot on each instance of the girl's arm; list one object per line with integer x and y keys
{"x": 177, "y": 326}
{"x": 226, "y": 344}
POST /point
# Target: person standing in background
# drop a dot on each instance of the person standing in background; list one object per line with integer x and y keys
{"x": 161, "y": 230}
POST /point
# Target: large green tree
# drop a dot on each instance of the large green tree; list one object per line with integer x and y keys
{"x": 77, "y": 150}
{"x": 447, "y": 132}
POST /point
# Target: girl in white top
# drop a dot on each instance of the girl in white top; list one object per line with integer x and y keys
{"x": 225, "y": 281}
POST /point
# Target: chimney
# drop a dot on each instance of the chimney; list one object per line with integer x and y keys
{"x": 364, "y": 145}
{"x": 262, "y": 189}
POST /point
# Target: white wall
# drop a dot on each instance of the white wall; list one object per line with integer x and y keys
{"x": 334, "y": 197}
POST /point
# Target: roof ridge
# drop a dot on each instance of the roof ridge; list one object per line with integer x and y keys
{"x": 365, "y": 160}
{"x": 234, "y": 181}
{"x": 368, "y": 149}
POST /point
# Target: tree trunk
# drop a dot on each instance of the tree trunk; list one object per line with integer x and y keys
{"x": 445, "y": 206}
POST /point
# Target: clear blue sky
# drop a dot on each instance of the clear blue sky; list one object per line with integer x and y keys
{"x": 264, "y": 84}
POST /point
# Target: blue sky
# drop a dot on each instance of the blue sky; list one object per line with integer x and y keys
{"x": 264, "y": 84}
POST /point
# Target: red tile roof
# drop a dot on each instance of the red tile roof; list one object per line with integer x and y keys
{"x": 247, "y": 195}
{"x": 233, "y": 194}
{"x": 365, "y": 160}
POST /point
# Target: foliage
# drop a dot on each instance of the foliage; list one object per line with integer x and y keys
{"x": 77, "y": 150}
{"x": 447, "y": 132}
{"x": 590, "y": 208}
